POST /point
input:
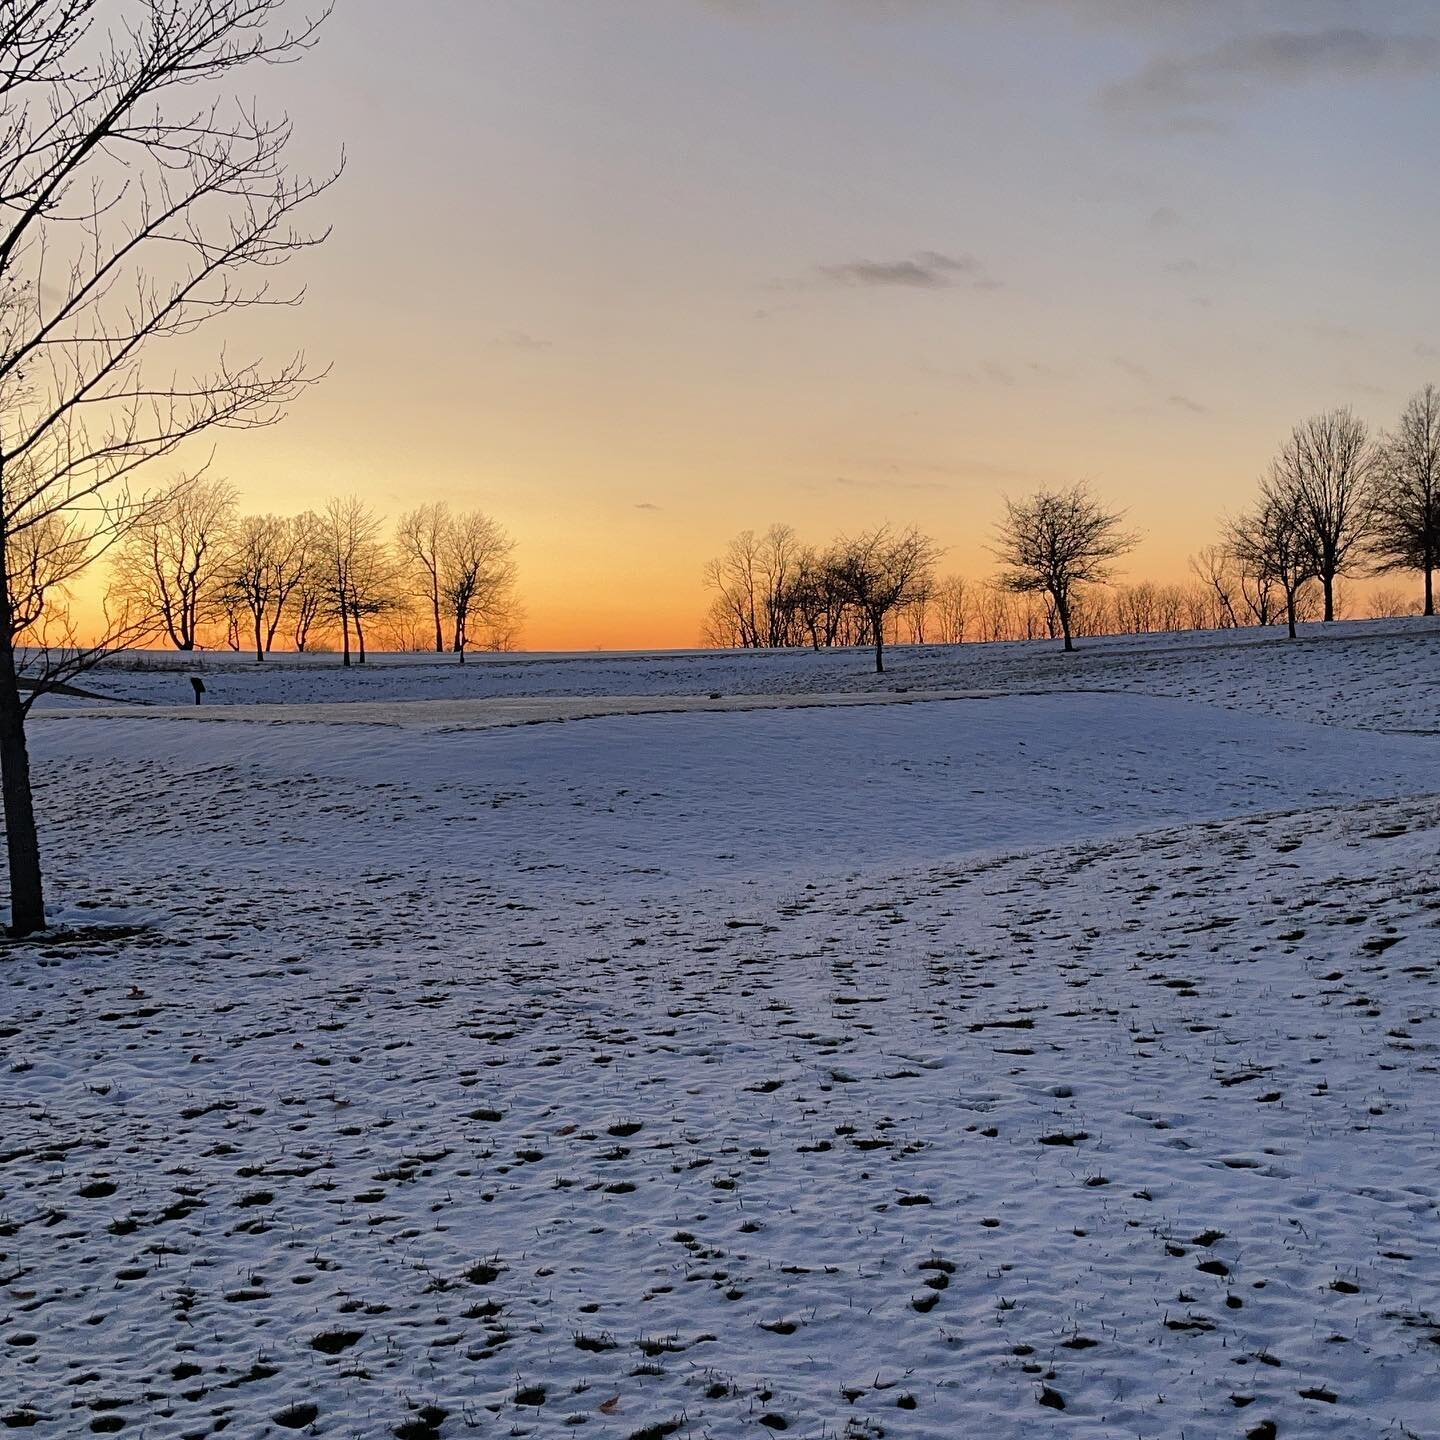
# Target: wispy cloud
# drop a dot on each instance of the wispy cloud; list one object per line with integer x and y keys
{"x": 520, "y": 340}
{"x": 1184, "y": 402}
{"x": 925, "y": 270}
{"x": 1193, "y": 91}
{"x": 646, "y": 505}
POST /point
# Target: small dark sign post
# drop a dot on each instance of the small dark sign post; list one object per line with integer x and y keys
{"x": 199, "y": 685}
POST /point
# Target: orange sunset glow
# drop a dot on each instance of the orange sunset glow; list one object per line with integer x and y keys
{"x": 635, "y": 276}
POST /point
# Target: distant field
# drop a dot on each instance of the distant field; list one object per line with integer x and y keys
{"x": 1390, "y": 670}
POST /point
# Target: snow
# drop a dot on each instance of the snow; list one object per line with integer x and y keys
{"x": 856, "y": 1069}
{"x": 1390, "y": 670}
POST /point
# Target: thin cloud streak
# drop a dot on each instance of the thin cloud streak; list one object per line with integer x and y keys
{"x": 1191, "y": 92}
{"x": 926, "y": 270}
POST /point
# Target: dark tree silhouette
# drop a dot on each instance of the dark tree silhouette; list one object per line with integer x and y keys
{"x": 421, "y": 536}
{"x": 359, "y": 576}
{"x": 268, "y": 561}
{"x": 1057, "y": 541}
{"x": 171, "y": 562}
{"x": 140, "y": 205}
{"x": 1271, "y": 543}
{"x": 477, "y": 576}
{"x": 1406, "y": 529}
{"x": 880, "y": 572}
{"x": 1326, "y": 470}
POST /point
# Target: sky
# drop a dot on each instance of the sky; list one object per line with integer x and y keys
{"x": 635, "y": 275}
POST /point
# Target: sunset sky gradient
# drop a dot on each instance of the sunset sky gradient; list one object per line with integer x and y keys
{"x": 634, "y": 275}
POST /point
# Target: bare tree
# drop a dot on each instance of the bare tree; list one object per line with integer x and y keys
{"x": 779, "y": 566}
{"x": 760, "y": 585}
{"x": 136, "y": 207}
{"x": 1272, "y": 543}
{"x": 477, "y": 576}
{"x": 916, "y": 614}
{"x": 359, "y": 576}
{"x": 954, "y": 609}
{"x": 1406, "y": 532}
{"x": 268, "y": 559}
{"x": 735, "y": 619}
{"x": 1326, "y": 469}
{"x": 41, "y": 559}
{"x": 308, "y": 596}
{"x": 1203, "y": 610}
{"x": 1390, "y": 604}
{"x": 881, "y": 571}
{"x": 1057, "y": 541}
{"x": 1217, "y": 571}
{"x": 421, "y": 537}
{"x": 172, "y": 560}
{"x": 1256, "y": 590}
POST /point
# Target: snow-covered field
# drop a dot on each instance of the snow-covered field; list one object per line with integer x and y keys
{"x": 1061, "y": 1063}
{"x": 1387, "y": 673}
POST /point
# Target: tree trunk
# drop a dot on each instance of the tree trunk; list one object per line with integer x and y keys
{"x": 345, "y": 628}
{"x": 435, "y": 609}
{"x": 360, "y": 638}
{"x": 1062, "y": 610}
{"x": 1290, "y": 611}
{"x": 259, "y": 643}
{"x": 1328, "y": 582}
{"x": 1429, "y": 587}
{"x": 877, "y": 624}
{"x": 27, "y": 890}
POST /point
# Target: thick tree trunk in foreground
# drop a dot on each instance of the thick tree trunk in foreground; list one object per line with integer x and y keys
{"x": 22, "y": 843}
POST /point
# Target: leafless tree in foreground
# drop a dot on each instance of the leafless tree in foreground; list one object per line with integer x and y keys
{"x": 881, "y": 571}
{"x": 1326, "y": 471}
{"x": 1406, "y": 533}
{"x": 171, "y": 562}
{"x": 1058, "y": 541}
{"x": 138, "y": 204}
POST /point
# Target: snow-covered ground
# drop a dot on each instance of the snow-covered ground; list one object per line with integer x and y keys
{"x": 1043, "y": 1063}
{"x": 1384, "y": 673}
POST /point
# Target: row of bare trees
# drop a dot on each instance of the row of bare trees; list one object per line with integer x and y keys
{"x": 772, "y": 590}
{"x": 1336, "y": 501}
{"x": 198, "y": 568}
